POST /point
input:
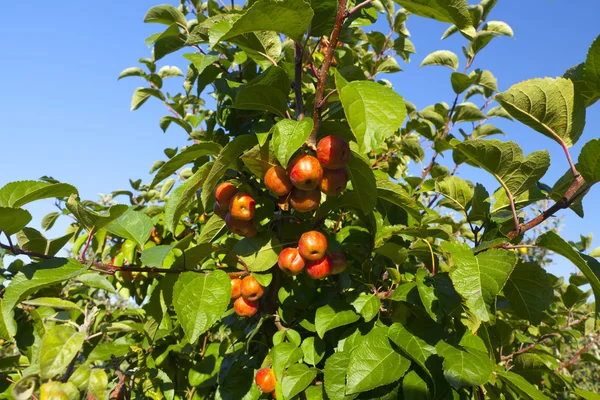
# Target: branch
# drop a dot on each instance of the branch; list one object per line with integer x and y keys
{"x": 298, "y": 80}
{"x": 531, "y": 346}
{"x": 322, "y": 76}
{"x": 579, "y": 353}
{"x": 359, "y": 6}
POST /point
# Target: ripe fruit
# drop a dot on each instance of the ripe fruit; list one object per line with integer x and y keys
{"x": 306, "y": 172}
{"x": 290, "y": 261}
{"x": 236, "y": 288}
{"x": 523, "y": 250}
{"x": 319, "y": 269}
{"x": 334, "y": 181}
{"x": 154, "y": 235}
{"x": 242, "y": 206}
{"x": 224, "y": 192}
{"x": 220, "y": 210}
{"x": 251, "y": 289}
{"x": 245, "y": 308}
{"x": 239, "y": 227}
{"x": 265, "y": 379}
{"x": 333, "y": 152}
{"x": 312, "y": 245}
{"x": 277, "y": 181}
{"x": 338, "y": 262}
{"x": 305, "y": 200}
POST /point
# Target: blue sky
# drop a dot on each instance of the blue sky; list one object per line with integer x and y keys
{"x": 65, "y": 114}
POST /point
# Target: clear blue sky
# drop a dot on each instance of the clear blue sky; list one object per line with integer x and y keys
{"x": 64, "y": 113}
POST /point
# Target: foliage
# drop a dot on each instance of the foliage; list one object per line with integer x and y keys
{"x": 444, "y": 295}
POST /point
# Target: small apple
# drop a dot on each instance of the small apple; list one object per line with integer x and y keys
{"x": 245, "y": 308}
{"x": 265, "y": 379}
{"x": 290, "y": 261}
{"x": 251, "y": 289}
{"x": 319, "y": 269}
{"x": 242, "y": 206}
{"x": 338, "y": 262}
{"x": 224, "y": 192}
{"x": 220, "y": 210}
{"x": 312, "y": 245}
{"x": 306, "y": 172}
{"x": 333, "y": 152}
{"x": 239, "y": 227}
{"x": 523, "y": 250}
{"x": 305, "y": 200}
{"x": 155, "y": 236}
{"x": 334, "y": 181}
{"x": 236, "y": 288}
{"x": 278, "y": 181}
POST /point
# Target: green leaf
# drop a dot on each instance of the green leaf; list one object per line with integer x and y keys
{"x": 485, "y": 130}
{"x": 414, "y": 387}
{"x": 367, "y": 305}
{"x": 155, "y": 256}
{"x": 259, "y": 159}
{"x": 427, "y": 294}
{"x": 261, "y": 47}
{"x": 394, "y": 193}
{"x": 96, "y": 281}
{"x": 32, "y": 278}
{"x": 456, "y": 190}
{"x": 588, "y": 265}
{"x": 549, "y": 106}
{"x": 12, "y": 220}
{"x": 105, "y": 350}
{"x": 334, "y": 315}
{"x": 480, "y": 204}
{"x": 591, "y": 74}
{"x": 529, "y": 292}
{"x": 53, "y": 302}
{"x": 200, "y": 300}
{"x": 97, "y": 383}
{"x": 165, "y": 14}
{"x": 260, "y": 253}
{"x": 187, "y": 155}
{"x": 479, "y": 279}
{"x": 201, "y": 61}
{"x": 452, "y": 11}
{"x": 230, "y": 153}
{"x": 485, "y": 79}
{"x": 133, "y": 71}
{"x": 134, "y": 225}
{"x": 290, "y": 17}
{"x": 297, "y": 378}
{"x": 374, "y": 112}
{"x": 91, "y": 219}
{"x": 589, "y": 161}
{"x": 169, "y": 71}
{"x": 505, "y": 161}
{"x": 288, "y": 136}
{"x": 335, "y": 376}
{"x": 17, "y": 194}
{"x": 59, "y": 346}
{"x": 283, "y": 355}
{"x": 467, "y": 112}
{"x": 444, "y": 58}
{"x": 464, "y": 366}
{"x": 183, "y": 195}
{"x": 324, "y": 19}
{"x": 49, "y": 220}
{"x": 521, "y": 385}
{"x": 166, "y": 121}
{"x": 374, "y": 363}
{"x": 414, "y": 346}
{"x": 460, "y": 82}
{"x": 141, "y": 95}
{"x": 313, "y": 349}
{"x": 363, "y": 182}
{"x": 393, "y": 251}
{"x": 211, "y": 229}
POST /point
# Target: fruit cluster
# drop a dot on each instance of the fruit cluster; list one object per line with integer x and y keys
{"x": 307, "y": 176}
{"x": 236, "y": 208}
{"x": 311, "y": 254}
{"x": 246, "y": 293}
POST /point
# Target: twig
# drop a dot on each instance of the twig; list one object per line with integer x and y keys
{"x": 87, "y": 245}
{"x": 531, "y": 346}
{"x": 324, "y": 101}
{"x": 359, "y": 6}
{"x": 322, "y": 75}
{"x": 579, "y": 353}
{"x": 298, "y": 50}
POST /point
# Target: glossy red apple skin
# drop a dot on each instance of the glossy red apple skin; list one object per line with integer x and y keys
{"x": 290, "y": 261}
{"x": 278, "y": 181}
{"x": 224, "y": 192}
{"x": 220, "y": 210}
{"x": 312, "y": 245}
{"x": 242, "y": 206}
{"x": 239, "y": 227}
{"x": 251, "y": 289}
{"x": 334, "y": 181}
{"x": 338, "y": 262}
{"x": 265, "y": 379}
{"x": 333, "y": 152}
{"x": 319, "y": 269}
{"x": 305, "y": 200}
{"x": 245, "y": 308}
{"x": 236, "y": 290}
{"x": 306, "y": 172}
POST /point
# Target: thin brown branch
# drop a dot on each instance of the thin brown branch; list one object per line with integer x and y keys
{"x": 531, "y": 346}
{"x": 298, "y": 50}
{"x": 17, "y": 252}
{"x": 87, "y": 245}
{"x": 357, "y": 7}
{"x": 324, "y": 101}
{"x": 324, "y": 72}
{"x": 579, "y": 353}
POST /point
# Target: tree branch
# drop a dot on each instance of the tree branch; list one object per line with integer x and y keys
{"x": 531, "y": 346}
{"x": 322, "y": 75}
{"x": 579, "y": 353}
{"x": 298, "y": 51}
{"x": 359, "y": 6}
